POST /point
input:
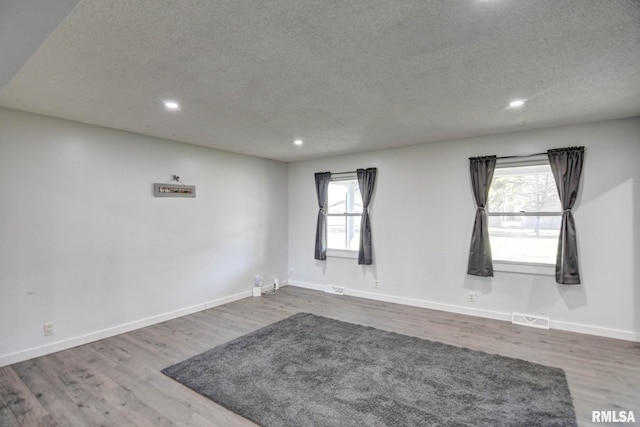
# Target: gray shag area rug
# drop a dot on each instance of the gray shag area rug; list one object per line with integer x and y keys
{"x": 308, "y": 370}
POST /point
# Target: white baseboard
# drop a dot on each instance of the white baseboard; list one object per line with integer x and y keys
{"x": 9, "y": 359}
{"x": 496, "y": 315}
{"x": 488, "y": 314}
{"x": 619, "y": 334}
{"x": 307, "y": 285}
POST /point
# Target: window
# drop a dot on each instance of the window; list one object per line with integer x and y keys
{"x": 524, "y": 213}
{"x": 343, "y": 215}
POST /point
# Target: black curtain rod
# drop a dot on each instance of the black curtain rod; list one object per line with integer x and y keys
{"x": 522, "y": 156}
{"x": 348, "y": 172}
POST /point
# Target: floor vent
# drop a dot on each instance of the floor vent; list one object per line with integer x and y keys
{"x": 527, "y": 320}
{"x": 332, "y": 289}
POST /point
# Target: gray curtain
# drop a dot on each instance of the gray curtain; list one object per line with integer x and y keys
{"x": 566, "y": 165}
{"x": 366, "y": 182}
{"x": 322, "y": 185}
{"x": 480, "y": 262}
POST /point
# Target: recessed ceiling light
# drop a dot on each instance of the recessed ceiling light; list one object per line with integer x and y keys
{"x": 171, "y": 105}
{"x": 298, "y": 142}
{"x": 517, "y": 103}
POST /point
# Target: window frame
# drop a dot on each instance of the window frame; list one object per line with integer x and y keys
{"x": 523, "y": 267}
{"x": 342, "y": 253}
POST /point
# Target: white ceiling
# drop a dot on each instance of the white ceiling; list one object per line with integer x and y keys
{"x": 345, "y": 76}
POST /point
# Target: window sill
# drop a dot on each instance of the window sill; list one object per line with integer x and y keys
{"x": 342, "y": 253}
{"x": 525, "y": 268}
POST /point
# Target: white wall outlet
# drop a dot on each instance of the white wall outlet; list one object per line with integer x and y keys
{"x": 48, "y": 329}
{"x": 375, "y": 285}
{"x": 472, "y": 296}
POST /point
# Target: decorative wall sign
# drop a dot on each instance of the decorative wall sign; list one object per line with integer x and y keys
{"x": 173, "y": 190}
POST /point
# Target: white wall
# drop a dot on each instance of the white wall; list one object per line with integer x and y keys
{"x": 422, "y": 215}
{"x": 84, "y": 244}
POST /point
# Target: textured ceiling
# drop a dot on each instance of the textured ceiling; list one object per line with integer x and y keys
{"x": 344, "y": 76}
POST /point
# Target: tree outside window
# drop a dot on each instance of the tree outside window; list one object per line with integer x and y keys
{"x": 524, "y": 214}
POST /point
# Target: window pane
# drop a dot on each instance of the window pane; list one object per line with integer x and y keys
{"x": 343, "y": 232}
{"x": 532, "y": 239}
{"x": 353, "y": 232}
{"x": 336, "y": 228}
{"x": 344, "y": 197}
{"x": 524, "y": 188}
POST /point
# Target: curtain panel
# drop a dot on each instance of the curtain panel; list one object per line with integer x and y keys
{"x": 566, "y": 165}
{"x": 322, "y": 186}
{"x": 480, "y": 262}
{"x": 366, "y": 182}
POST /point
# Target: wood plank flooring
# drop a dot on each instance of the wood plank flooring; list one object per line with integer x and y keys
{"x": 117, "y": 381}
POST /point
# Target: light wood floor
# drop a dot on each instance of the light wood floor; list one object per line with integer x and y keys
{"x": 117, "y": 381}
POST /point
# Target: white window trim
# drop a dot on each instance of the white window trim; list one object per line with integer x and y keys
{"x": 525, "y": 268}
{"x": 537, "y": 160}
{"x": 344, "y": 176}
{"x": 342, "y": 253}
{"x": 519, "y": 267}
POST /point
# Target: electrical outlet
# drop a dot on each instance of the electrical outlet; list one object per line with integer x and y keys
{"x": 376, "y": 284}
{"x": 472, "y": 296}
{"x": 48, "y": 329}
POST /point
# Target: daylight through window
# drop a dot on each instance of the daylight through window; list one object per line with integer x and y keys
{"x": 344, "y": 213}
{"x": 524, "y": 213}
